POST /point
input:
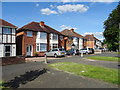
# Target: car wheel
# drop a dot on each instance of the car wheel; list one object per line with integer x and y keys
{"x": 74, "y": 54}
{"x": 86, "y": 52}
{"x": 55, "y": 55}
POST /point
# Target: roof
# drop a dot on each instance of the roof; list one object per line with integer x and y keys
{"x": 34, "y": 26}
{"x": 91, "y": 37}
{"x": 5, "y": 23}
{"x": 96, "y": 39}
{"x": 71, "y": 33}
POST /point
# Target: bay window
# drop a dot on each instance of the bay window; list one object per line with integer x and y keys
{"x": 41, "y": 47}
{"x": 55, "y": 36}
{"x": 7, "y": 30}
{"x": 53, "y": 46}
{"x": 43, "y": 35}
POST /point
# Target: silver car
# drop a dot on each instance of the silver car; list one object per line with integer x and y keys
{"x": 56, "y": 52}
{"x": 87, "y": 50}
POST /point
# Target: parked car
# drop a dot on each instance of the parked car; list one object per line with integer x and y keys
{"x": 55, "y": 52}
{"x": 87, "y": 50}
{"x": 72, "y": 52}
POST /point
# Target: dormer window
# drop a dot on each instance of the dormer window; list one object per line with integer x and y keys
{"x": 29, "y": 33}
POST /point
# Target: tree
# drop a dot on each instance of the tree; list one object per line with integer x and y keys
{"x": 112, "y": 31}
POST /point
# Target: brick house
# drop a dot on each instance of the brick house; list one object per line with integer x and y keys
{"x": 7, "y": 39}
{"x": 72, "y": 39}
{"x": 92, "y": 42}
{"x": 37, "y": 38}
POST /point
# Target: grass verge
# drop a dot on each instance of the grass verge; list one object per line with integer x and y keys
{"x": 100, "y": 73}
{"x": 103, "y": 58}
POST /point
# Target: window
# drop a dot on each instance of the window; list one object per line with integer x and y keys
{"x": 61, "y": 37}
{"x": 43, "y": 35}
{"x": 7, "y": 50}
{"x": 29, "y": 33}
{"x": 0, "y": 30}
{"x": 43, "y": 46}
{"x": 7, "y": 30}
{"x": 55, "y": 36}
{"x": 53, "y": 46}
{"x": 13, "y": 31}
{"x": 37, "y": 47}
{"x": 55, "y": 50}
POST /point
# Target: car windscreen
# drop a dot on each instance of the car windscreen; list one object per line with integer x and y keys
{"x": 61, "y": 49}
{"x": 84, "y": 49}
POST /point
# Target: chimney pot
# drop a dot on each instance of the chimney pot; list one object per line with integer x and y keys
{"x": 72, "y": 30}
{"x": 92, "y": 35}
{"x": 42, "y": 23}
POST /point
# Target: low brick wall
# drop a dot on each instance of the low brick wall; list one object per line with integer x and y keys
{"x": 12, "y": 60}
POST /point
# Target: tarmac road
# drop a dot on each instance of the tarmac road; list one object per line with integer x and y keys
{"x": 53, "y": 78}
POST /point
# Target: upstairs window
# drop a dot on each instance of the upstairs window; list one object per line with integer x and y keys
{"x": 29, "y": 33}
{"x": 43, "y": 35}
{"x": 61, "y": 37}
{"x": 13, "y": 31}
{"x": 55, "y": 36}
{"x": 7, "y": 30}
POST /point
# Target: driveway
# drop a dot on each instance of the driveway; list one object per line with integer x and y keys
{"x": 29, "y": 75}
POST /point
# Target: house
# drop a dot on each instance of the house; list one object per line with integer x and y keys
{"x": 37, "y": 38}
{"x": 92, "y": 42}
{"x": 72, "y": 39}
{"x": 7, "y": 39}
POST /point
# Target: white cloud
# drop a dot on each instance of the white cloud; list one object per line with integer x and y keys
{"x": 64, "y": 8}
{"x": 47, "y": 11}
{"x": 37, "y": 5}
{"x": 72, "y": 8}
{"x": 62, "y": 27}
{"x": 98, "y": 35}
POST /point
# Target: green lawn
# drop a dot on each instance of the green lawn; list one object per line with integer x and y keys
{"x": 100, "y": 73}
{"x": 103, "y": 58}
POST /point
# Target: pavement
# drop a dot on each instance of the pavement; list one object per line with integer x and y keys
{"x": 31, "y": 75}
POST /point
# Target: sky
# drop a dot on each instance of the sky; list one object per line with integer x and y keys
{"x": 84, "y": 17}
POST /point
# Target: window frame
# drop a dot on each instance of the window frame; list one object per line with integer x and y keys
{"x": 45, "y": 37}
{"x": 28, "y": 33}
{"x": 7, "y": 31}
{"x": 55, "y": 37}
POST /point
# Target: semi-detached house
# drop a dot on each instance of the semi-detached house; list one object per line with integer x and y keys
{"x": 92, "y": 42}
{"x": 72, "y": 39}
{"x": 37, "y": 38}
{"x": 7, "y": 39}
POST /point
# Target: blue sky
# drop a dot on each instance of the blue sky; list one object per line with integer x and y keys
{"x": 85, "y": 17}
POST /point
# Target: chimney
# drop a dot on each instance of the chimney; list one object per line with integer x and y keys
{"x": 92, "y": 35}
{"x": 72, "y": 30}
{"x": 41, "y": 23}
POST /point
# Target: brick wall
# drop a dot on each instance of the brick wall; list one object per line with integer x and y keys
{"x": 12, "y": 60}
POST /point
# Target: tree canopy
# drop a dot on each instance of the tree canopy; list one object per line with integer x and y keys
{"x": 112, "y": 30}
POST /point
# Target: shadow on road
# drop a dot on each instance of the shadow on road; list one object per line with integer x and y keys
{"x": 23, "y": 79}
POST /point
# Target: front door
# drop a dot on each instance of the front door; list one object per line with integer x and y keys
{"x": 29, "y": 50}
